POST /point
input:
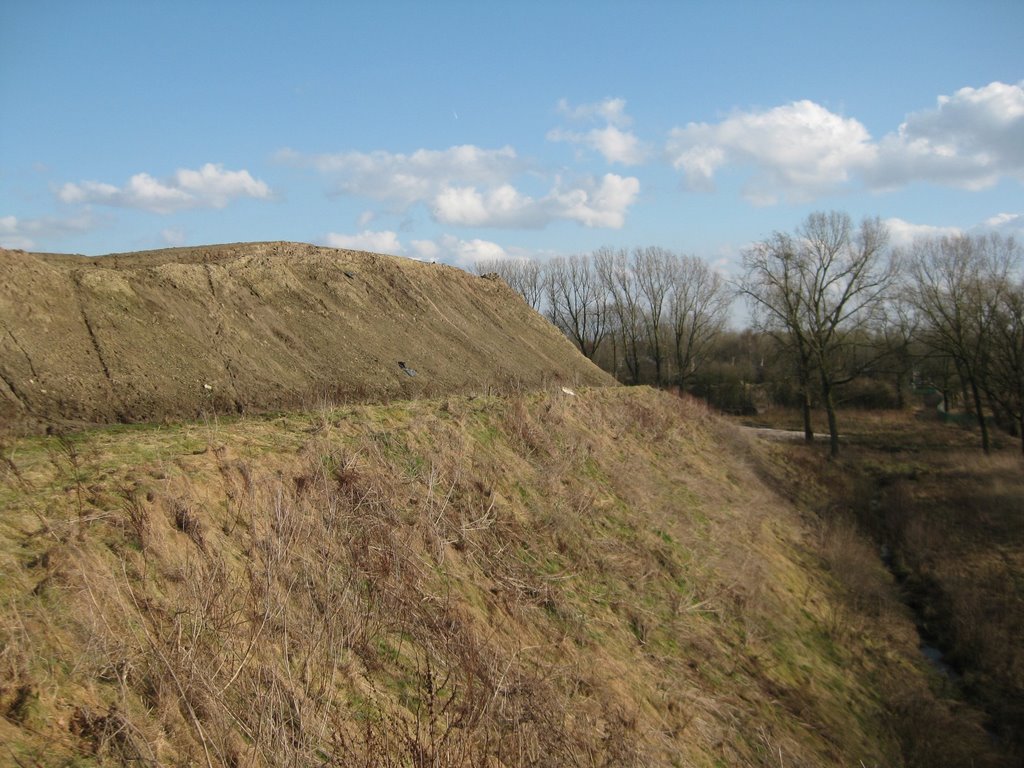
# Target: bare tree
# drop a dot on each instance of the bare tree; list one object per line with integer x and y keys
{"x": 698, "y": 306}
{"x": 773, "y": 286}
{"x": 653, "y": 269}
{"x": 819, "y": 292}
{"x": 959, "y": 285}
{"x": 577, "y": 301}
{"x": 524, "y": 276}
{"x": 897, "y": 331}
{"x": 1006, "y": 381}
{"x": 852, "y": 274}
{"x": 616, "y": 275}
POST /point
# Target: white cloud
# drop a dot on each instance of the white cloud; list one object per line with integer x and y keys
{"x": 611, "y": 141}
{"x": 470, "y": 187}
{"x": 465, "y": 253}
{"x": 13, "y": 234}
{"x": 903, "y": 233}
{"x": 969, "y": 140}
{"x": 615, "y": 145}
{"x": 208, "y": 187}
{"x": 25, "y": 234}
{"x": 1001, "y": 220}
{"x": 802, "y": 150}
{"x": 385, "y": 241}
{"x": 591, "y": 203}
{"x": 602, "y": 204}
{"x": 406, "y": 179}
{"x": 797, "y": 150}
{"x": 427, "y": 250}
{"x": 445, "y": 247}
{"x": 611, "y": 111}
{"x": 173, "y": 237}
{"x": 1007, "y": 224}
{"x": 502, "y": 206}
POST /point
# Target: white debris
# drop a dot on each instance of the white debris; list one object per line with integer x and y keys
{"x": 568, "y": 392}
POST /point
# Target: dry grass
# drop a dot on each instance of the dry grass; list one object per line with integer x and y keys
{"x": 951, "y": 519}
{"x": 542, "y": 579}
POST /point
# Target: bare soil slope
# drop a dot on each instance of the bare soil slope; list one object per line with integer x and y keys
{"x": 256, "y": 326}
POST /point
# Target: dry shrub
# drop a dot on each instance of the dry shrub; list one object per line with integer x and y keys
{"x": 186, "y": 520}
{"x": 854, "y": 563}
{"x": 520, "y": 424}
{"x": 935, "y": 732}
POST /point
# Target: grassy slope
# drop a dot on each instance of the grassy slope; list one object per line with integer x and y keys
{"x": 601, "y": 579}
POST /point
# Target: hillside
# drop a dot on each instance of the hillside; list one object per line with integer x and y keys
{"x": 616, "y": 578}
{"x": 256, "y": 327}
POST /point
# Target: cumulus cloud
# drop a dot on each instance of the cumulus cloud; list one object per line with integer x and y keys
{"x": 470, "y": 187}
{"x": 1006, "y": 224}
{"x": 404, "y": 179}
{"x": 614, "y": 144}
{"x": 969, "y": 140}
{"x": 447, "y": 248}
{"x": 425, "y": 250}
{"x": 611, "y": 141}
{"x": 801, "y": 150}
{"x": 591, "y": 203}
{"x": 385, "y": 241}
{"x": 903, "y": 233}
{"x": 797, "y": 151}
{"x": 611, "y": 111}
{"x": 210, "y": 186}
{"x": 465, "y": 253}
{"x": 1013, "y": 221}
{"x": 173, "y": 236}
{"x": 25, "y": 234}
{"x": 501, "y": 206}
{"x": 600, "y": 204}
{"x": 13, "y": 233}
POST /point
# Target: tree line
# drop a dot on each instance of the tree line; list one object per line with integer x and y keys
{"x": 832, "y": 307}
{"x": 647, "y": 315}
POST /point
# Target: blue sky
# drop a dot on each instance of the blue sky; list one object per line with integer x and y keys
{"x": 458, "y": 131}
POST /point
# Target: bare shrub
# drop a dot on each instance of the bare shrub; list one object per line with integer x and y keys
{"x": 854, "y": 563}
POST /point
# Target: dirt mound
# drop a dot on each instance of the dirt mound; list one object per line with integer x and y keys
{"x": 255, "y": 327}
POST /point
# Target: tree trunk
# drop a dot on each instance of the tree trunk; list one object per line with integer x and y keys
{"x": 981, "y": 417}
{"x": 833, "y": 427}
{"x": 808, "y": 430}
{"x": 805, "y": 405}
{"x": 830, "y": 410}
